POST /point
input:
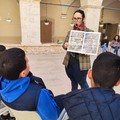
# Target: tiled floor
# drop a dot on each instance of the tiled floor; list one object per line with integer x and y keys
{"x": 50, "y": 68}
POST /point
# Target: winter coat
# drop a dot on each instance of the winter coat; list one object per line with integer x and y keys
{"x": 29, "y": 93}
{"x": 93, "y": 104}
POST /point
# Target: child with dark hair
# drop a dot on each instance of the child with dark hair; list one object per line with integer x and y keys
{"x": 100, "y": 102}
{"x": 21, "y": 90}
{"x": 104, "y": 44}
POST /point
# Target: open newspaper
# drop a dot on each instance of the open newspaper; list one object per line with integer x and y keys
{"x": 84, "y": 42}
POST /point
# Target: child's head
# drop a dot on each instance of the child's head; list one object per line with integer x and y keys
{"x": 13, "y": 64}
{"x": 105, "y": 72}
{"x": 106, "y": 37}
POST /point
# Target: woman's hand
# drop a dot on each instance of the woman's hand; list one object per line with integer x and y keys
{"x": 66, "y": 45}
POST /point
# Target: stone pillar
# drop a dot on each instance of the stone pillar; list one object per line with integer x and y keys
{"x": 92, "y": 9}
{"x": 30, "y": 22}
{"x": 119, "y": 29}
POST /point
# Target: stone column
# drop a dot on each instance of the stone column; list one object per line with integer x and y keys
{"x": 30, "y": 22}
{"x": 119, "y": 29}
{"x": 92, "y": 9}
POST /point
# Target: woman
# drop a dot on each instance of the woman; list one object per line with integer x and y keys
{"x": 115, "y": 44}
{"x": 77, "y": 65}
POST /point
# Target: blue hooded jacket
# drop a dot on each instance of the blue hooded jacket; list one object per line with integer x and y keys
{"x": 22, "y": 94}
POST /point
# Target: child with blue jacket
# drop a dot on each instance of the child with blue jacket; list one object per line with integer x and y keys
{"x": 20, "y": 90}
{"x": 100, "y": 102}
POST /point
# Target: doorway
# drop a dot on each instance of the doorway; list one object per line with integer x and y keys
{"x": 46, "y": 32}
{"x": 109, "y": 29}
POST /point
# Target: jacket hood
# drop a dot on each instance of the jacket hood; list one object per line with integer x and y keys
{"x": 10, "y": 90}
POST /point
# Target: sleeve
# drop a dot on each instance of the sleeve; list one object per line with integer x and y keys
{"x": 112, "y": 44}
{"x": 66, "y": 40}
{"x": 47, "y": 107}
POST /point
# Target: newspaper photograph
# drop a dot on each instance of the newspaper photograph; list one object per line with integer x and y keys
{"x": 84, "y": 42}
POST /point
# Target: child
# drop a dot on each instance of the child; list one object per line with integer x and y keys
{"x": 104, "y": 44}
{"x": 100, "y": 102}
{"x": 21, "y": 90}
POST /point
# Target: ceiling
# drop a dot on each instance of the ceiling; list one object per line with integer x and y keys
{"x": 114, "y": 4}
{"x": 111, "y": 4}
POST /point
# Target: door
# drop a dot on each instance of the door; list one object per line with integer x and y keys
{"x": 111, "y": 30}
{"x": 46, "y": 32}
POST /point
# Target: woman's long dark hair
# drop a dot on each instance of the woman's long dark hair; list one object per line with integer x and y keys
{"x": 117, "y": 39}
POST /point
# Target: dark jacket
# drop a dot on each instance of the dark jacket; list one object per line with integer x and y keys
{"x": 93, "y": 104}
{"x": 29, "y": 93}
{"x": 105, "y": 41}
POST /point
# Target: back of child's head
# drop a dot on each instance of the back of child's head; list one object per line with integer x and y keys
{"x": 12, "y": 62}
{"x": 2, "y": 48}
{"x": 106, "y": 70}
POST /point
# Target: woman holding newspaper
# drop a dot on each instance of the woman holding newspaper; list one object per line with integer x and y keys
{"x": 76, "y": 64}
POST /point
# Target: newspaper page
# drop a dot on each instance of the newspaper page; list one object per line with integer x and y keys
{"x": 84, "y": 42}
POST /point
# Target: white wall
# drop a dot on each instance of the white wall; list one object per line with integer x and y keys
{"x": 9, "y": 32}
